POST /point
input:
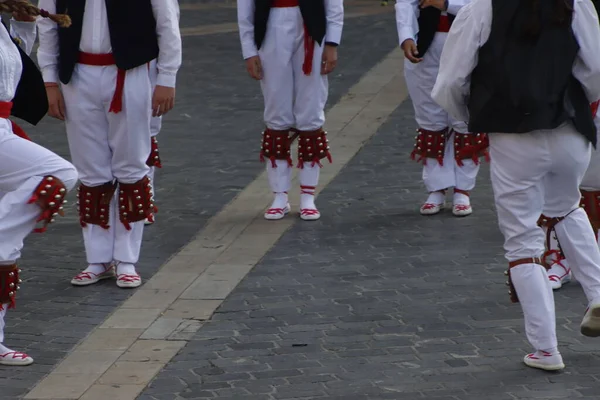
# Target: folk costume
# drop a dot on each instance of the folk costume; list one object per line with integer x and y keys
{"x": 289, "y": 37}
{"x": 33, "y": 180}
{"x": 559, "y": 272}
{"x": 102, "y": 64}
{"x": 541, "y": 133}
{"x": 450, "y": 153}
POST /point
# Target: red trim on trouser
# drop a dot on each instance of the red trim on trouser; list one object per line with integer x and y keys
{"x": 104, "y": 60}
{"x": 444, "y": 24}
{"x": 5, "y": 109}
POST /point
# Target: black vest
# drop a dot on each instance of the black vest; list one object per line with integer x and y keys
{"x": 429, "y": 19}
{"x": 132, "y": 29}
{"x": 313, "y": 13}
{"x": 30, "y": 102}
{"x": 522, "y": 85}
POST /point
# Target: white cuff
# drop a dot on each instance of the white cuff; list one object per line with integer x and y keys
{"x": 334, "y": 34}
{"x": 405, "y": 34}
{"x": 50, "y": 74}
{"x": 167, "y": 80}
{"x": 249, "y": 50}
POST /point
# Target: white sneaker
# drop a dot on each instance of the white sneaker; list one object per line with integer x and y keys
{"x": 15, "y": 359}
{"x": 89, "y": 278}
{"x": 126, "y": 281}
{"x": 559, "y": 274}
{"x": 544, "y": 360}
{"x": 590, "y": 326}
{"x": 462, "y": 210}
{"x": 431, "y": 209}
{"x": 277, "y": 213}
{"x": 310, "y": 214}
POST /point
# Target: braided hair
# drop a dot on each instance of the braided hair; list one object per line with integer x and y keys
{"x": 24, "y": 7}
{"x": 563, "y": 13}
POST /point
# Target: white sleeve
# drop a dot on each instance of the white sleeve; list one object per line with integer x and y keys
{"x": 454, "y": 6}
{"x": 48, "y": 51}
{"x": 586, "y": 29}
{"x": 245, "y": 14}
{"x": 25, "y": 32}
{"x": 334, "y": 11}
{"x": 470, "y": 30}
{"x": 407, "y": 14}
{"x": 166, "y": 13}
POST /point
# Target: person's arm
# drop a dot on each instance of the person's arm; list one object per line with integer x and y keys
{"x": 245, "y": 15}
{"x": 407, "y": 14}
{"x": 24, "y": 31}
{"x": 166, "y": 13}
{"x": 586, "y": 29}
{"x": 48, "y": 50}
{"x": 334, "y": 11}
{"x": 454, "y": 6}
{"x": 470, "y": 30}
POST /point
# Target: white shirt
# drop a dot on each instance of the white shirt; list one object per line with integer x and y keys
{"x": 10, "y": 59}
{"x": 471, "y": 30}
{"x": 95, "y": 38}
{"x": 334, "y": 12}
{"x": 407, "y": 15}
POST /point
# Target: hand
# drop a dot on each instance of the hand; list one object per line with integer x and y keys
{"x": 410, "y": 51}
{"x": 329, "y": 61}
{"x": 254, "y": 67}
{"x": 56, "y": 103}
{"x": 23, "y": 17}
{"x": 439, "y": 4}
{"x": 163, "y": 100}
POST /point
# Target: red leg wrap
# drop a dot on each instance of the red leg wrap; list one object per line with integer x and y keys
{"x": 590, "y": 202}
{"x": 135, "y": 202}
{"x": 429, "y": 144}
{"x": 276, "y": 146}
{"x": 470, "y": 146}
{"x": 466, "y": 193}
{"x": 94, "y": 204}
{"x": 594, "y": 108}
{"x": 9, "y": 284}
{"x": 49, "y": 195}
{"x": 313, "y": 146}
{"x": 154, "y": 158}
{"x": 512, "y": 292}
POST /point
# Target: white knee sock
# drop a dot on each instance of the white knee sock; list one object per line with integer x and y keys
{"x": 126, "y": 269}
{"x": 280, "y": 178}
{"x": 436, "y": 197}
{"x": 2, "y": 323}
{"x": 577, "y": 240}
{"x": 309, "y": 180}
{"x": 537, "y": 301}
{"x": 461, "y": 198}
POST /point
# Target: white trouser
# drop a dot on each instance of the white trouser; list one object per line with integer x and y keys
{"x": 531, "y": 174}
{"x": 23, "y": 164}
{"x": 155, "y": 122}
{"x": 2, "y": 323}
{"x": 420, "y": 79}
{"x": 107, "y": 146}
{"x": 591, "y": 179}
{"x": 292, "y": 99}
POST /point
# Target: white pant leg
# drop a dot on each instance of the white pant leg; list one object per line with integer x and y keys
{"x": 571, "y": 153}
{"x": 420, "y": 79}
{"x": 2, "y": 323}
{"x": 155, "y": 123}
{"x": 465, "y": 175}
{"x": 310, "y": 91}
{"x": 87, "y": 132}
{"x": 129, "y": 140}
{"x": 276, "y": 55}
{"x": 23, "y": 165}
{"x": 519, "y": 165}
{"x": 591, "y": 178}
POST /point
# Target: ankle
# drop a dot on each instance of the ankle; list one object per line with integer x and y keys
{"x": 126, "y": 269}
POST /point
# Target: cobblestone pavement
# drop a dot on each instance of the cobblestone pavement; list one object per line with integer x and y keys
{"x": 204, "y": 146}
{"x": 375, "y": 301}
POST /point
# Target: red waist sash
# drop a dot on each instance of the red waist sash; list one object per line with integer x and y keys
{"x": 5, "y": 109}
{"x": 309, "y": 43}
{"x": 104, "y": 60}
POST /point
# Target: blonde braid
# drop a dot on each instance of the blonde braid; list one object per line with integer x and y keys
{"x": 24, "y": 7}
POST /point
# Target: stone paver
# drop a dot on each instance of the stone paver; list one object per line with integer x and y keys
{"x": 218, "y": 114}
{"x": 375, "y": 301}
